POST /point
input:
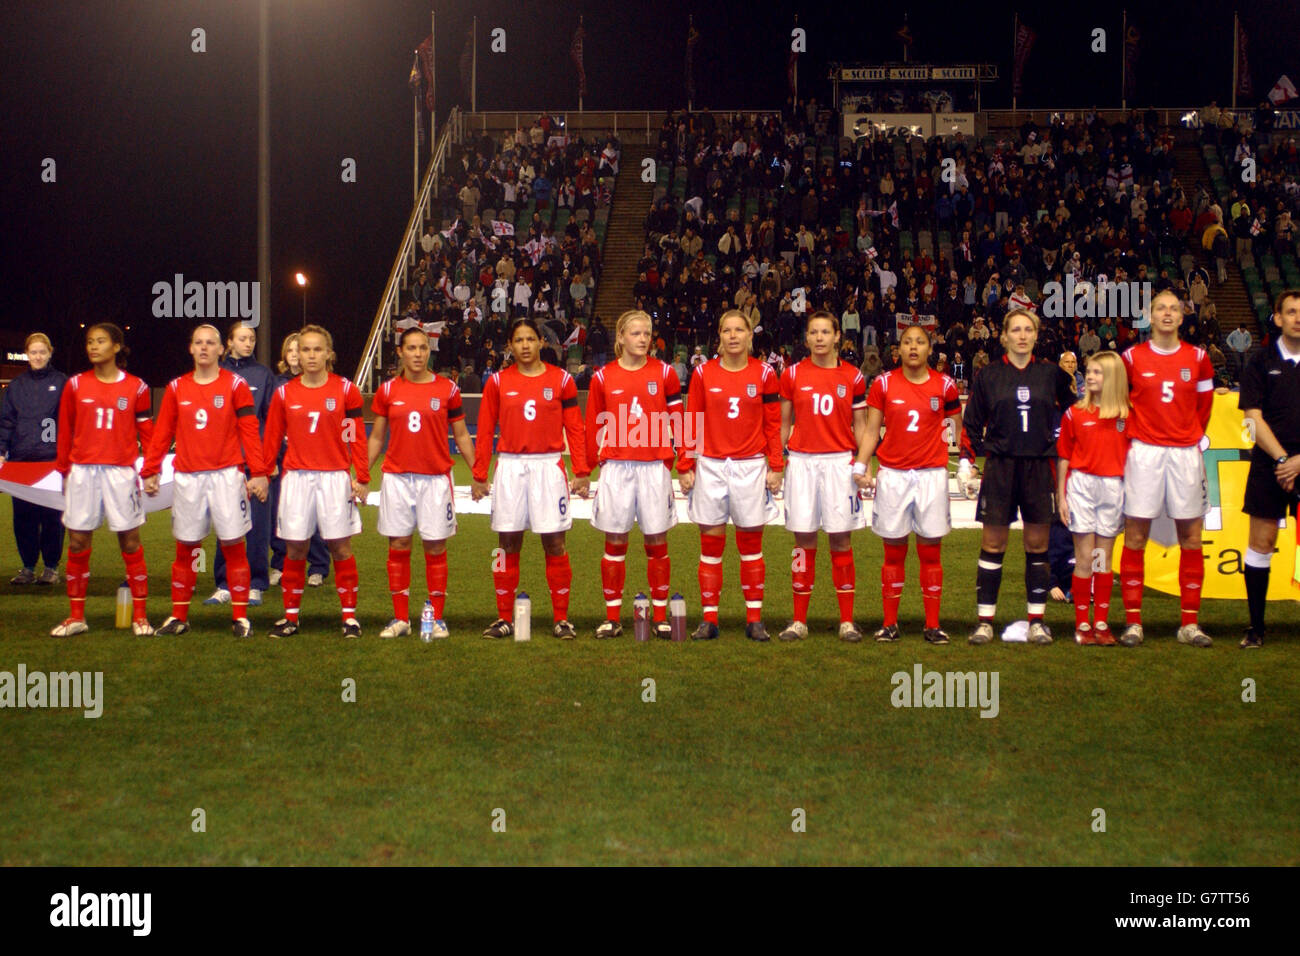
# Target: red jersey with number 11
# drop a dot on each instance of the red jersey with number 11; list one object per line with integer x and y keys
{"x": 100, "y": 423}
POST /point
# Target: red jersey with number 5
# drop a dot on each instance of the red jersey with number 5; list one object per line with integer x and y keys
{"x": 740, "y": 414}
{"x": 632, "y": 414}
{"x": 209, "y": 423}
{"x": 100, "y": 423}
{"x": 535, "y": 413}
{"x": 915, "y": 416}
{"x": 1172, "y": 394}
{"x": 419, "y": 415}
{"x": 823, "y": 402}
{"x": 325, "y": 427}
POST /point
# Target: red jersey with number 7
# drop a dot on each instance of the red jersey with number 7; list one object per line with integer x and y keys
{"x": 915, "y": 415}
{"x": 100, "y": 423}
{"x": 325, "y": 427}
{"x": 1172, "y": 394}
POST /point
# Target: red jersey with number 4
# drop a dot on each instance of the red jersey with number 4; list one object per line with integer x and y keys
{"x": 1092, "y": 444}
{"x": 1172, "y": 394}
{"x": 535, "y": 413}
{"x": 209, "y": 423}
{"x": 823, "y": 400}
{"x": 740, "y": 411}
{"x": 101, "y": 423}
{"x": 325, "y": 427}
{"x": 419, "y": 415}
{"x": 632, "y": 414}
{"x": 915, "y": 415}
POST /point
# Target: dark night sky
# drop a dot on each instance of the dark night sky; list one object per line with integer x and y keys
{"x": 156, "y": 146}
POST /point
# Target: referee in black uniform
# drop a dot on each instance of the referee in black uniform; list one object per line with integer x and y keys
{"x": 1270, "y": 401}
{"x": 1012, "y": 419}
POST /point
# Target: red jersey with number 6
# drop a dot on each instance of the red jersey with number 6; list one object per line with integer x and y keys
{"x": 740, "y": 414}
{"x": 325, "y": 427}
{"x": 1172, "y": 394}
{"x": 535, "y": 413}
{"x": 100, "y": 423}
{"x": 823, "y": 401}
{"x": 915, "y": 416}
{"x": 418, "y": 415}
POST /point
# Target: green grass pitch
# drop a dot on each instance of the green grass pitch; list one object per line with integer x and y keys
{"x": 558, "y": 736}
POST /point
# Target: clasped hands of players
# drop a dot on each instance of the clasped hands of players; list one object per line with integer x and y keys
{"x": 478, "y": 490}
{"x": 256, "y": 487}
{"x": 774, "y": 481}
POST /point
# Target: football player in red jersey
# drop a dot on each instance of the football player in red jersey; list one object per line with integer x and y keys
{"x": 103, "y": 415}
{"x": 914, "y": 403}
{"x": 413, "y": 411}
{"x": 210, "y": 413}
{"x": 322, "y": 416}
{"x": 1172, "y": 392}
{"x": 823, "y": 417}
{"x": 536, "y": 405}
{"x": 634, "y": 409}
{"x": 732, "y": 466}
{"x": 1091, "y": 450}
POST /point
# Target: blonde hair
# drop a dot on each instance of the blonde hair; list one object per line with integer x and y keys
{"x": 283, "y": 366}
{"x": 749, "y": 324}
{"x": 329, "y": 343}
{"x": 631, "y": 315}
{"x": 38, "y": 337}
{"x": 1114, "y": 387}
{"x": 1033, "y": 317}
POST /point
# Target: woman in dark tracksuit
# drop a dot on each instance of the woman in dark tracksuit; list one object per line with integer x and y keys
{"x": 28, "y": 432}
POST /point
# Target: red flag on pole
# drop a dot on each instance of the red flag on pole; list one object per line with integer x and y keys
{"x": 1025, "y": 38}
{"x": 1244, "y": 86}
{"x": 575, "y": 51}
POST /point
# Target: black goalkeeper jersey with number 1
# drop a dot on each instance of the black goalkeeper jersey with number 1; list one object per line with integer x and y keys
{"x": 1016, "y": 413}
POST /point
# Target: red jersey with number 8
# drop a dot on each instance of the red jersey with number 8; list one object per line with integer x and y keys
{"x": 915, "y": 416}
{"x": 418, "y": 415}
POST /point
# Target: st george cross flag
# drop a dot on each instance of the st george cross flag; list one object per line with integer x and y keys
{"x": 502, "y": 228}
{"x": 41, "y": 484}
{"x": 1283, "y": 91}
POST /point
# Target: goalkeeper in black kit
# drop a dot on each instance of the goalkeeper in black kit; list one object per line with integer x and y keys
{"x": 1011, "y": 419}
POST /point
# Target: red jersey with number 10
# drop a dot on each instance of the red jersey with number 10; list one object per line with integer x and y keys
{"x": 1172, "y": 394}
{"x": 325, "y": 427}
{"x": 823, "y": 401}
{"x": 741, "y": 414}
{"x": 418, "y": 415}
{"x": 535, "y": 413}
{"x": 915, "y": 415}
{"x": 100, "y": 423}
{"x": 209, "y": 422}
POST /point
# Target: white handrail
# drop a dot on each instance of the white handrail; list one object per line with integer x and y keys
{"x": 389, "y": 305}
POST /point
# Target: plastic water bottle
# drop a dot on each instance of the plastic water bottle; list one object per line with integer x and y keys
{"x": 426, "y": 622}
{"x": 523, "y": 617}
{"x": 677, "y": 617}
{"x": 641, "y": 616}
{"x": 124, "y": 607}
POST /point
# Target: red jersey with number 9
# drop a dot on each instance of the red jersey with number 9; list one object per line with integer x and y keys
{"x": 823, "y": 401}
{"x": 418, "y": 416}
{"x": 915, "y": 415}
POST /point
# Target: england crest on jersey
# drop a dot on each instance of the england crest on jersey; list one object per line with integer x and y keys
{"x": 121, "y": 404}
{"x": 1185, "y": 374}
{"x": 1022, "y": 393}
{"x": 435, "y": 403}
{"x": 1119, "y": 425}
{"x": 652, "y": 388}
{"x": 330, "y": 404}
{"x": 934, "y": 403}
{"x": 218, "y": 401}
{"x": 840, "y": 391}
{"x": 751, "y": 391}
{"x": 548, "y": 393}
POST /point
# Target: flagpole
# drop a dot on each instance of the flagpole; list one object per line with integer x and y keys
{"x": 1123, "y": 65}
{"x": 1015, "y": 39}
{"x": 433, "y": 77}
{"x": 690, "y": 65}
{"x": 473, "y": 73}
{"x": 1236, "y": 46}
{"x": 415, "y": 138}
{"x": 264, "y": 181}
{"x": 584, "y": 62}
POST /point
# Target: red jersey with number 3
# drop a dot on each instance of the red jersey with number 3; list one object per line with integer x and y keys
{"x": 325, "y": 427}
{"x": 1092, "y": 444}
{"x": 535, "y": 413}
{"x": 101, "y": 423}
{"x": 915, "y": 415}
{"x": 740, "y": 412}
{"x": 418, "y": 415}
{"x": 209, "y": 423}
{"x": 1172, "y": 394}
{"x": 628, "y": 412}
{"x": 823, "y": 401}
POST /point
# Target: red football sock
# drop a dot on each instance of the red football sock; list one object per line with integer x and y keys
{"x": 844, "y": 575}
{"x": 346, "y": 580}
{"x": 1191, "y": 573}
{"x": 238, "y": 578}
{"x": 1132, "y": 568}
{"x": 137, "y": 576}
{"x": 658, "y": 571}
{"x": 559, "y": 575}
{"x": 931, "y": 581}
{"x": 753, "y": 572}
{"x": 507, "y": 583}
{"x": 803, "y": 574}
{"x": 711, "y": 548}
{"x": 1082, "y": 588}
{"x": 292, "y": 581}
{"x": 892, "y": 574}
{"x": 183, "y": 580}
{"x": 399, "y": 582}
{"x": 1103, "y": 582}
{"x": 613, "y": 575}
{"x": 78, "y": 580}
{"x": 435, "y": 577}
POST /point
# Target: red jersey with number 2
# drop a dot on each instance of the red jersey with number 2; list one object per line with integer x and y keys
{"x": 915, "y": 415}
